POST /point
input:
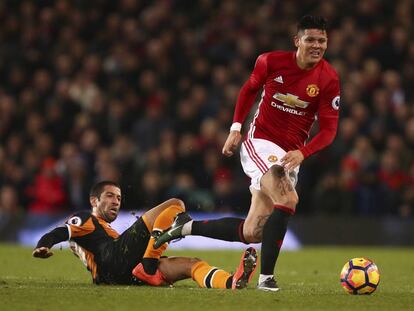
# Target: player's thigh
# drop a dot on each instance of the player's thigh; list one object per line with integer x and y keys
{"x": 260, "y": 209}
{"x": 177, "y": 268}
{"x": 279, "y": 186}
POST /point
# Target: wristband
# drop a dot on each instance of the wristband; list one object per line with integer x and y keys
{"x": 236, "y": 126}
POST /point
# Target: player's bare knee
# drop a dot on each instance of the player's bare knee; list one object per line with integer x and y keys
{"x": 289, "y": 202}
{"x": 292, "y": 199}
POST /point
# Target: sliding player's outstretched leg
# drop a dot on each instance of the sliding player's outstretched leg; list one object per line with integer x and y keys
{"x": 206, "y": 276}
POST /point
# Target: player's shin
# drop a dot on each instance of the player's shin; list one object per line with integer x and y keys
{"x": 207, "y": 276}
{"x": 226, "y": 229}
{"x": 273, "y": 233}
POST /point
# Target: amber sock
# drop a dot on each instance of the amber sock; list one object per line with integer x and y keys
{"x": 162, "y": 222}
{"x": 210, "y": 277}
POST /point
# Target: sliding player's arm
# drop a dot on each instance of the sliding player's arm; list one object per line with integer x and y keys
{"x": 47, "y": 241}
{"x": 77, "y": 225}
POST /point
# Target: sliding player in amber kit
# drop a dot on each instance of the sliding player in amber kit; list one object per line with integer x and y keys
{"x": 130, "y": 257}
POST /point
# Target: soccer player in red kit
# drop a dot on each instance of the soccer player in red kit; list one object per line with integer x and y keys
{"x": 298, "y": 87}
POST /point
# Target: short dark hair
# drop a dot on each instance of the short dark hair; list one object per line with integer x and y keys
{"x": 97, "y": 188}
{"x": 312, "y": 22}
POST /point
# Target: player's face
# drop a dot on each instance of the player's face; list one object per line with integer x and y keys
{"x": 108, "y": 204}
{"x": 311, "y": 44}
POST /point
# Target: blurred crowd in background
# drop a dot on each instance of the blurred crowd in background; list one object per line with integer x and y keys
{"x": 143, "y": 92}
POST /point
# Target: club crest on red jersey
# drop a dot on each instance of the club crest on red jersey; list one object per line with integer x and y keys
{"x": 272, "y": 158}
{"x": 312, "y": 90}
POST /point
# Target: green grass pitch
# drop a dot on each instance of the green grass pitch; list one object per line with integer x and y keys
{"x": 309, "y": 280}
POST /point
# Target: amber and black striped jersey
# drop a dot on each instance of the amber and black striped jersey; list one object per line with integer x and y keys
{"x": 88, "y": 236}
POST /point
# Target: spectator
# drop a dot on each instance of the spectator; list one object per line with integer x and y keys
{"x": 48, "y": 199}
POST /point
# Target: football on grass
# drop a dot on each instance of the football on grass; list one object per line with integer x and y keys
{"x": 360, "y": 276}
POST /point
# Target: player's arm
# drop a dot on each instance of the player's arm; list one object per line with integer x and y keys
{"x": 328, "y": 114}
{"x": 47, "y": 241}
{"x": 244, "y": 103}
{"x": 327, "y": 130}
{"x": 79, "y": 224}
{"x": 325, "y": 136}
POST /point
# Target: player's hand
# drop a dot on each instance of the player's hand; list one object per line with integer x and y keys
{"x": 231, "y": 143}
{"x": 292, "y": 159}
{"x": 42, "y": 252}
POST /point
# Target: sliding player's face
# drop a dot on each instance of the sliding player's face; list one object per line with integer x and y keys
{"x": 311, "y": 44}
{"x": 109, "y": 203}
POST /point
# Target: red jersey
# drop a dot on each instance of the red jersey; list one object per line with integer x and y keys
{"x": 292, "y": 99}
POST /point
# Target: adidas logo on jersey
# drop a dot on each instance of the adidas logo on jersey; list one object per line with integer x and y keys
{"x": 279, "y": 79}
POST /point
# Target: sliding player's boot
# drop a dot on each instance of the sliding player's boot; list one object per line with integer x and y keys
{"x": 245, "y": 271}
{"x": 156, "y": 279}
